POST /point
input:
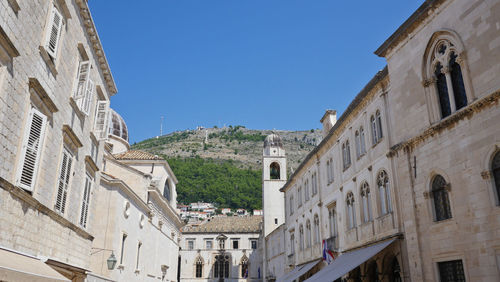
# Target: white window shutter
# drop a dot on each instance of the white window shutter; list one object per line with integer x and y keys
{"x": 53, "y": 32}
{"x": 86, "y": 201}
{"x": 83, "y": 78}
{"x": 31, "y": 149}
{"x": 63, "y": 182}
{"x": 101, "y": 119}
{"x": 89, "y": 91}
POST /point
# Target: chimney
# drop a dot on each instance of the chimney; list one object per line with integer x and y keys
{"x": 328, "y": 120}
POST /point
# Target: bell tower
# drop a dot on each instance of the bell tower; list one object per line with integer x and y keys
{"x": 273, "y": 178}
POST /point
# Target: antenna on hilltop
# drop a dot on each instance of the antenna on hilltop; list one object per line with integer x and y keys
{"x": 161, "y": 126}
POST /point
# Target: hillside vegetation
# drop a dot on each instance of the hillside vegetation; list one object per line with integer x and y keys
{"x": 223, "y": 165}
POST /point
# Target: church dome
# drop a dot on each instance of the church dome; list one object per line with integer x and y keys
{"x": 117, "y": 126}
{"x": 273, "y": 140}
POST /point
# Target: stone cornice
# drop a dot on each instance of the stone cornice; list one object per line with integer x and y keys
{"x": 68, "y": 131}
{"x": 157, "y": 199}
{"x": 42, "y": 94}
{"x": 35, "y": 204}
{"x": 7, "y": 44}
{"x": 447, "y": 123}
{"x": 96, "y": 45}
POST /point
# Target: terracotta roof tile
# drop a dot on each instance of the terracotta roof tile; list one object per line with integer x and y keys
{"x": 233, "y": 224}
{"x": 136, "y": 155}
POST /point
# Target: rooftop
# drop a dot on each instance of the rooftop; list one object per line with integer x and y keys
{"x": 231, "y": 224}
{"x": 136, "y": 155}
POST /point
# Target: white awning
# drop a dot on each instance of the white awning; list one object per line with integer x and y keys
{"x": 347, "y": 262}
{"x": 297, "y": 271}
{"x": 19, "y": 267}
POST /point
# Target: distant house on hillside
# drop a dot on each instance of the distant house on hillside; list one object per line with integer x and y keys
{"x": 258, "y": 212}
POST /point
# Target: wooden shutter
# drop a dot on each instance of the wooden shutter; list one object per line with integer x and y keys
{"x": 86, "y": 201}
{"x": 63, "y": 183}
{"x": 81, "y": 88}
{"x": 101, "y": 119}
{"x": 89, "y": 91}
{"x": 53, "y": 32}
{"x": 31, "y": 149}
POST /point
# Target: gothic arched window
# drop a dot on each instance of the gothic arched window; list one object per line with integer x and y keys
{"x": 244, "y": 267}
{"x": 395, "y": 271}
{"x": 199, "y": 267}
{"x": 274, "y": 171}
{"x": 372, "y": 273}
{"x": 351, "y": 216}
{"x": 443, "y": 72}
{"x": 301, "y": 237}
{"x": 316, "y": 229}
{"x": 221, "y": 266}
{"x": 384, "y": 192}
{"x": 440, "y": 198}
{"x": 365, "y": 202}
{"x": 346, "y": 154}
{"x": 495, "y": 170}
{"x": 308, "y": 233}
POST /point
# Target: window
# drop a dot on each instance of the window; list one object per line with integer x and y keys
{"x": 274, "y": 169}
{"x": 235, "y": 244}
{"x": 329, "y": 170}
{"x": 376, "y": 125}
{"x": 208, "y": 244}
{"x": 291, "y": 204}
{"x": 85, "y": 88}
{"x": 451, "y": 271}
{"x": 351, "y": 216}
{"x": 199, "y": 267}
{"x": 308, "y": 233}
{"x": 314, "y": 181}
{"x": 221, "y": 266}
{"x": 292, "y": 242}
{"x": 443, "y": 68}
{"x": 63, "y": 182}
{"x": 332, "y": 220}
{"x": 275, "y": 220}
{"x": 101, "y": 120}
{"x": 306, "y": 190}
{"x": 365, "y": 202}
{"x": 316, "y": 229}
{"x": 122, "y": 252}
{"x": 384, "y": 192}
{"x": 299, "y": 196}
{"x": 440, "y": 198}
{"x": 253, "y": 244}
{"x": 31, "y": 149}
{"x": 395, "y": 272}
{"x": 53, "y": 32}
{"x": 346, "y": 154}
{"x": 166, "y": 190}
{"x": 139, "y": 245}
{"x": 495, "y": 169}
{"x": 87, "y": 189}
{"x": 301, "y": 237}
{"x": 244, "y": 267}
{"x": 359, "y": 138}
{"x": 378, "y": 118}
{"x": 190, "y": 244}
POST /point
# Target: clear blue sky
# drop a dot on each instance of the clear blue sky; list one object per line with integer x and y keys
{"x": 263, "y": 64}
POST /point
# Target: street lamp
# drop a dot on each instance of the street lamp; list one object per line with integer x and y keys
{"x": 111, "y": 261}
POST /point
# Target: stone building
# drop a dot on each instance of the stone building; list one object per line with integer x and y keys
{"x": 55, "y": 86}
{"x": 138, "y": 222}
{"x": 405, "y": 185}
{"x": 222, "y": 247}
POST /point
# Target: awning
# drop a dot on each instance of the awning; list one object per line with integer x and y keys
{"x": 347, "y": 262}
{"x": 19, "y": 267}
{"x": 297, "y": 271}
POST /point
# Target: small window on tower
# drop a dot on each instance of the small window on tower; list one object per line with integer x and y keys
{"x": 275, "y": 221}
{"x": 275, "y": 171}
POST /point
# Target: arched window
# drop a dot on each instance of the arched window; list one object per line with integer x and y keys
{"x": 346, "y": 154}
{"x": 274, "y": 171}
{"x": 221, "y": 266}
{"x": 373, "y": 125}
{"x": 440, "y": 198}
{"x": 306, "y": 190}
{"x": 291, "y": 204}
{"x": 372, "y": 273}
{"x": 299, "y": 196}
{"x": 301, "y": 237}
{"x": 378, "y": 117}
{"x": 166, "y": 190}
{"x": 351, "y": 216}
{"x": 316, "y": 229}
{"x": 332, "y": 216}
{"x": 384, "y": 192}
{"x": 443, "y": 67}
{"x": 199, "y": 267}
{"x": 376, "y": 126}
{"x": 395, "y": 271}
{"x": 362, "y": 140}
{"x": 314, "y": 183}
{"x": 244, "y": 267}
{"x": 308, "y": 233}
{"x": 292, "y": 242}
{"x": 495, "y": 169}
{"x": 357, "y": 142}
{"x": 365, "y": 202}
